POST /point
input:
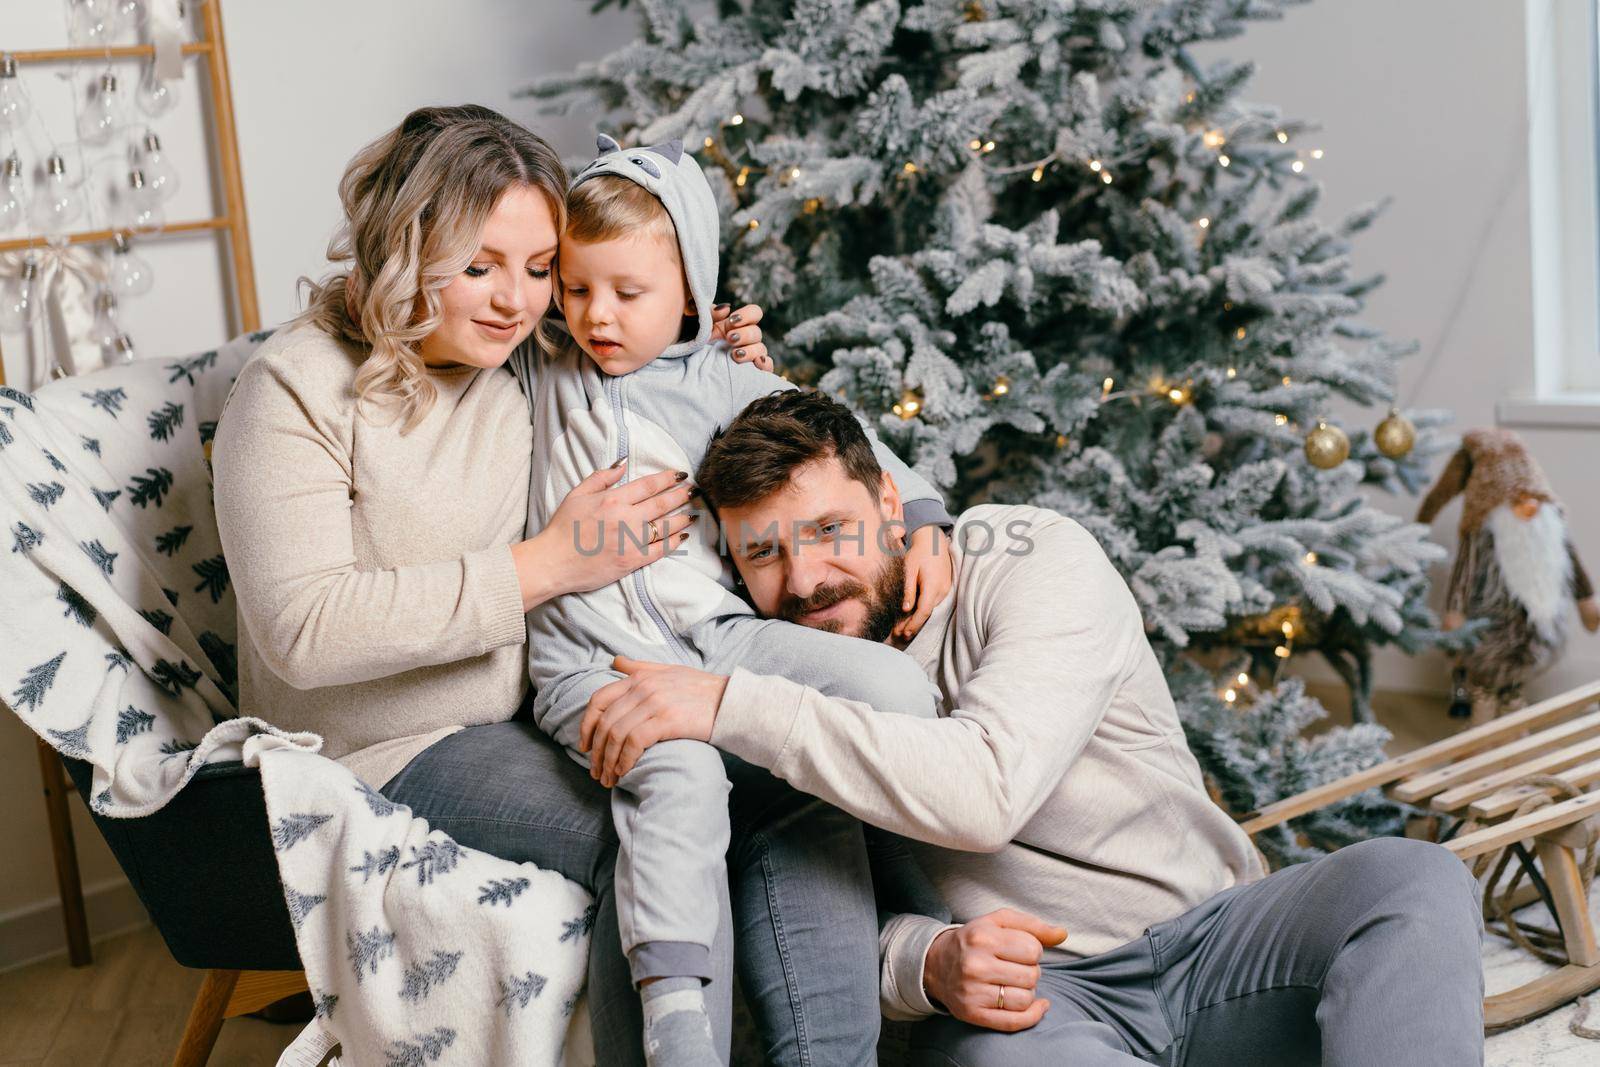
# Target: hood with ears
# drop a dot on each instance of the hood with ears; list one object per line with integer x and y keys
{"x": 673, "y": 177}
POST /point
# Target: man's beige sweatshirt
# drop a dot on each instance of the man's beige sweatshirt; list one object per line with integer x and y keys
{"x": 378, "y": 603}
{"x": 1056, "y": 780}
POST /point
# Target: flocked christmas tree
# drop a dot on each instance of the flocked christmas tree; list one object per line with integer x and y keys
{"x": 1059, "y": 261}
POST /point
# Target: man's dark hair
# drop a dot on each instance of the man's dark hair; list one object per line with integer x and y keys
{"x": 776, "y": 435}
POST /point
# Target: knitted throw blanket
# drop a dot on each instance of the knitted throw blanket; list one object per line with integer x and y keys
{"x": 116, "y": 647}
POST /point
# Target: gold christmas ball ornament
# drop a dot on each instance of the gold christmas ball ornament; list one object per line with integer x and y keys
{"x": 1395, "y": 435}
{"x": 1327, "y": 446}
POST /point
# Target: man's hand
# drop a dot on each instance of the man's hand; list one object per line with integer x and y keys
{"x": 967, "y": 966}
{"x": 930, "y": 571}
{"x": 655, "y": 702}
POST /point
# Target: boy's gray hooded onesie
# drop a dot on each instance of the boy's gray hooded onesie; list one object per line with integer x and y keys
{"x": 671, "y": 809}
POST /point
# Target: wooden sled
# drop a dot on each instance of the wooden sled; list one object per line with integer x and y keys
{"x": 1517, "y": 795}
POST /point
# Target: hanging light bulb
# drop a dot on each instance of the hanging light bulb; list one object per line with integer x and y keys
{"x": 129, "y": 275}
{"x": 56, "y": 203}
{"x": 157, "y": 96}
{"x": 160, "y": 176}
{"x": 105, "y": 329}
{"x": 19, "y": 302}
{"x": 137, "y": 207}
{"x": 14, "y": 108}
{"x": 89, "y": 23}
{"x": 104, "y": 113}
{"x": 13, "y": 197}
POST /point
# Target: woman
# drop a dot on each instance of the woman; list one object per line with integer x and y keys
{"x": 372, "y": 471}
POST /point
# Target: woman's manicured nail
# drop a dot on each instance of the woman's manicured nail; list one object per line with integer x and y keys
{"x": 733, "y": 320}
{"x": 738, "y": 354}
{"x": 682, "y": 475}
{"x": 721, "y": 307}
{"x": 733, "y": 338}
{"x": 619, "y": 462}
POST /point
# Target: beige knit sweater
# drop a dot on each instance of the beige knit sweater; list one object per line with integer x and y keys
{"x": 1057, "y": 780}
{"x": 378, "y": 604}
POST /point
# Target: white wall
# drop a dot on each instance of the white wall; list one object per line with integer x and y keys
{"x": 312, "y": 82}
{"x": 1426, "y": 101}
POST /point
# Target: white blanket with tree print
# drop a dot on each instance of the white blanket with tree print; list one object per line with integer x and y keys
{"x": 117, "y": 647}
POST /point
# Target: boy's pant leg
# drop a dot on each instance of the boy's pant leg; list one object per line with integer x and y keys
{"x": 671, "y": 816}
{"x": 671, "y": 812}
{"x": 848, "y": 668}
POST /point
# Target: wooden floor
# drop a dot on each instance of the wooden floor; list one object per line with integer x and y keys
{"x": 126, "y": 1009}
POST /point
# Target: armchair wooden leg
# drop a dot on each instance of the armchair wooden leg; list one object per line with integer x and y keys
{"x": 68, "y": 884}
{"x": 205, "y": 1019}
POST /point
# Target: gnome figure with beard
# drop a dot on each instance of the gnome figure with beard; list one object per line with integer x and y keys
{"x": 1515, "y": 567}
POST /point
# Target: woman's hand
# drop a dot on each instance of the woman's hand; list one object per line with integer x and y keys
{"x": 655, "y": 702}
{"x": 930, "y": 571}
{"x": 603, "y": 531}
{"x": 740, "y": 330}
{"x": 985, "y": 972}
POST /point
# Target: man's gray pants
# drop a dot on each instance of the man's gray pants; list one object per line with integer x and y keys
{"x": 1368, "y": 957}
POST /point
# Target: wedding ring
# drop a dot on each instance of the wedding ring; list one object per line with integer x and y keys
{"x": 651, "y": 527}
{"x": 1000, "y": 1000}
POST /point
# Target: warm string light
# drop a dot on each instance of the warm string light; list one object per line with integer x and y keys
{"x": 1002, "y": 385}
{"x": 910, "y": 403}
{"x": 1311, "y": 559}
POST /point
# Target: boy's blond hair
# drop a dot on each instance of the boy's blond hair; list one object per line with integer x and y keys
{"x": 608, "y": 207}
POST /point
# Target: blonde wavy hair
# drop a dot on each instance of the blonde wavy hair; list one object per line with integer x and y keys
{"x": 415, "y": 202}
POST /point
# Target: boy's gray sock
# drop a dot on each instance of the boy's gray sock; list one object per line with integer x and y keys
{"x": 677, "y": 1030}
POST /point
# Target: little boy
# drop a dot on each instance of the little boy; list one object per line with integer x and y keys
{"x": 638, "y": 259}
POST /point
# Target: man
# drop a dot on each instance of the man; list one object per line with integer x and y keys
{"x": 1055, "y": 788}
